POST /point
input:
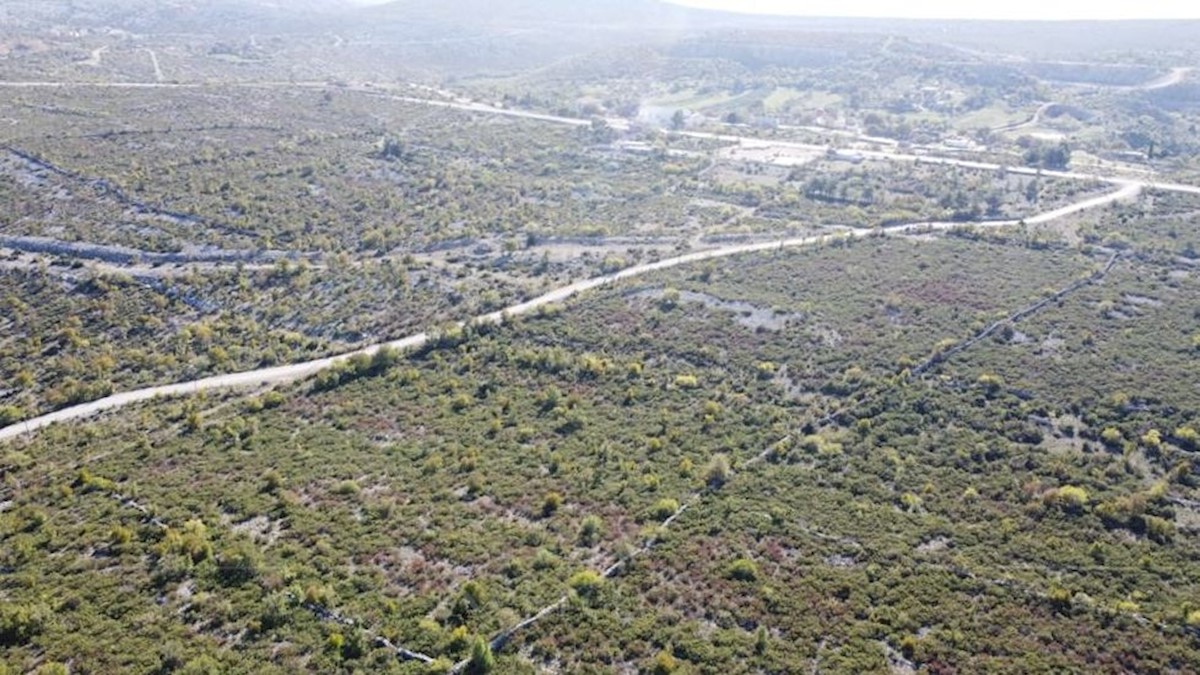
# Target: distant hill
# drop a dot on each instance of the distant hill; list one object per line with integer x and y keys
{"x": 199, "y": 16}
{"x": 468, "y": 37}
{"x": 590, "y": 25}
{"x": 629, "y": 14}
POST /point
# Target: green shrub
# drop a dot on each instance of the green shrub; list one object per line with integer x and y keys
{"x": 120, "y": 536}
{"x": 669, "y": 299}
{"x": 664, "y": 508}
{"x": 591, "y": 530}
{"x": 551, "y": 503}
{"x": 335, "y": 642}
{"x": 1160, "y": 530}
{"x": 21, "y": 623}
{"x": 347, "y": 488}
{"x": 10, "y": 415}
{"x": 910, "y": 502}
{"x": 272, "y": 481}
{"x": 239, "y": 563}
{"x": 687, "y": 382}
{"x": 544, "y": 560}
{"x": 742, "y": 569}
{"x": 586, "y": 584}
{"x": 202, "y": 665}
{"x": 318, "y": 594}
{"x": 1187, "y": 437}
{"x": 664, "y": 663}
{"x": 718, "y": 471}
{"x": 1069, "y": 497}
{"x": 1111, "y": 437}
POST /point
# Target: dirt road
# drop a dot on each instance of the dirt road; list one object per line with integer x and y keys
{"x": 290, "y": 373}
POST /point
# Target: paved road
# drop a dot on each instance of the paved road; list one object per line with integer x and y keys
{"x": 298, "y": 371}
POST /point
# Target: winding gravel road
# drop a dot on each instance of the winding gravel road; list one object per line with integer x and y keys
{"x": 1032, "y": 120}
{"x": 290, "y": 373}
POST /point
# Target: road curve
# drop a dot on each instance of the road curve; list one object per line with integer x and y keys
{"x": 290, "y": 373}
{"x": 1171, "y": 79}
{"x": 1032, "y": 120}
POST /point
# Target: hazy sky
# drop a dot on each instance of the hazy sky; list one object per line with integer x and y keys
{"x": 965, "y": 9}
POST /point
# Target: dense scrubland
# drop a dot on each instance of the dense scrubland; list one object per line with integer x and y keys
{"x": 967, "y": 450}
{"x": 446, "y": 495}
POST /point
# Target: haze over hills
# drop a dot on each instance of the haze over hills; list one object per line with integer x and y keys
{"x": 589, "y": 25}
{"x": 1015, "y": 10}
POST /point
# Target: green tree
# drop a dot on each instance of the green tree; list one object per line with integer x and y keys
{"x": 482, "y": 660}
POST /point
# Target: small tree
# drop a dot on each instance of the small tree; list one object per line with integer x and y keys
{"x": 482, "y": 660}
{"x": 717, "y": 472}
{"x": 590, "y": 530}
